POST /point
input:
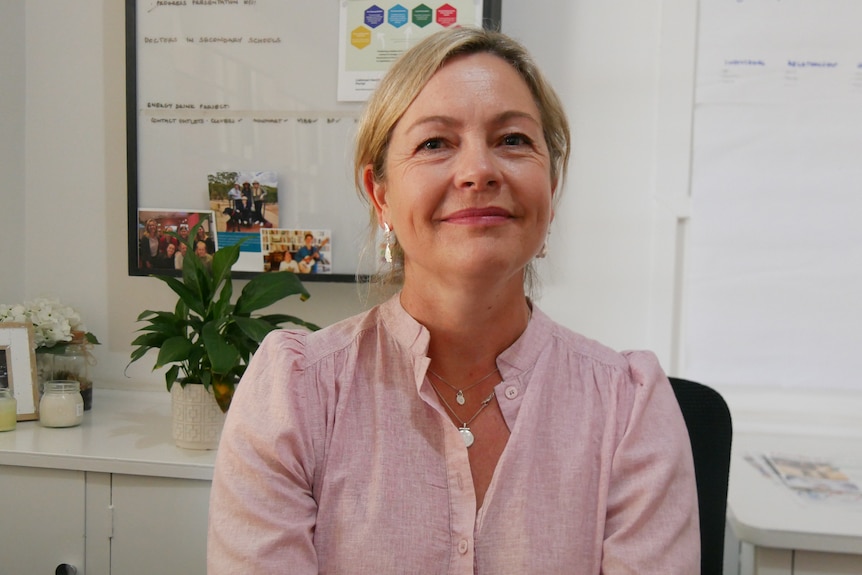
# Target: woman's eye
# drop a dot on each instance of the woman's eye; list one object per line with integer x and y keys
{"x": 516, "y": 140}
{"x": 432, "y": 144}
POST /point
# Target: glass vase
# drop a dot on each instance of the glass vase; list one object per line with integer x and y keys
{"x": 44, "y": 369}
{"x": 74, "y": 365}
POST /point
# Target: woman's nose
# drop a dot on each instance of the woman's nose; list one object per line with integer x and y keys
{"x": 477, "y": 167}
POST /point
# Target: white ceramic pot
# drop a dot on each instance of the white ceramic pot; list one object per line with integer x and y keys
{"x": 196, "y": 417}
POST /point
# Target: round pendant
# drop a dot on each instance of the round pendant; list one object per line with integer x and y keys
{"x": 459, "y": 397}
{"x": 467, "y": 436}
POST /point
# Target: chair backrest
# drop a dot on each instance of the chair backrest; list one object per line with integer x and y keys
{"x": 711, "y": 432}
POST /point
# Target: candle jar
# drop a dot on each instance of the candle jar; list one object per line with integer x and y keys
{"x": 8, "y": 410}
{"x": 61, "y": 404}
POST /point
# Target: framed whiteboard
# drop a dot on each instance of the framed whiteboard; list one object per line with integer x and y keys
{"x": 222, "y": 93}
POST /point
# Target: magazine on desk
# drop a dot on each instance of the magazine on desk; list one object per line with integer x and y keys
{"x": 815, "y": 478}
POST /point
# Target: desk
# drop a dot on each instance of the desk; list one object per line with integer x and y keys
{"x": 782, "y": 533}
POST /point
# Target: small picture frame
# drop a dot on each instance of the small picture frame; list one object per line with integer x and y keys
{"x": 19, "y": 359}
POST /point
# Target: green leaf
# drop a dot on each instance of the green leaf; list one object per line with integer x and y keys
{"x": 206, "y": 379}
{"x": 223, "y": 261}
{"x": 266, "y": 289}
{"x": 151, "y": 339}
{"x": 279, "y": 318}
{"x": 171, "y": 376}
{"x": 191, "y": 297}
{"x": 222, "y": 307}
{"x": 181, "y": 310}
{"x": 56, "y": 349}
{"x": 222, "y": 355}
{"x": 196, "y": 280}
{"x": 138, "y": 354}
{"x": 164, "y": 329}
{"x": 173, "y": 349}
{"x": 255, "y": 328}
{"x": 161, "y": 320}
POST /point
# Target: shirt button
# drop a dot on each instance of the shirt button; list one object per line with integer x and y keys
{"x": 511, "y": 392}
{"x": 463, "y": 546}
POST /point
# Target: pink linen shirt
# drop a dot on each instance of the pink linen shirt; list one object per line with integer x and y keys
{"x": 336, "y": 458}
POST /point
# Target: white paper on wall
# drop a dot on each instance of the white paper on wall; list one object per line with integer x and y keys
{"x": 774, "y": 262}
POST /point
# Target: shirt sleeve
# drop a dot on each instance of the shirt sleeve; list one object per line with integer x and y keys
{"x": 262, "y": 511}
{"x": 652, "y": 524}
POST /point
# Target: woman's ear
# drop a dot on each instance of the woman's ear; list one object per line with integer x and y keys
{"x": 376, "y": 192}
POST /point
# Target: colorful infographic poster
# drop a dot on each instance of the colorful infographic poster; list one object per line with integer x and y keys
{"x": 374, "y": 34}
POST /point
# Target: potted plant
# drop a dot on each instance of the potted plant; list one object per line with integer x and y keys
{"x": 207, "y": 339}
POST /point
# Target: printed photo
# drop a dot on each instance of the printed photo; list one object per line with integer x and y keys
{"x": 159, "y": 250}
{"x": 5, "y": 352}
{"x": 244, "y": 203}
{"x": 296, "y": 250}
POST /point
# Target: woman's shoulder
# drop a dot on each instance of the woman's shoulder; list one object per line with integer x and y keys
{"x": 582, "y": 349}
{"x": 314, "y": 346}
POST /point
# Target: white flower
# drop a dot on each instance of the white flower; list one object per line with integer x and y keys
{"x": 52, "y": 321}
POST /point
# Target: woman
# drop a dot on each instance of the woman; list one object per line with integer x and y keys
{"x": 455, "y": 428}
{"x": 151, "y": 245}
{"x": 168, "y": 259}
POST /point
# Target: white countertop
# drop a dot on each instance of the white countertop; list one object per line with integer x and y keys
{"x": 127, "y": 432}
{"x": 764, "y": 511}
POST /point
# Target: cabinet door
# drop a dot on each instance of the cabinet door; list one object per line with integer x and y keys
{"x": 42, "y": 520}
{"x": 160, "y": 525}
{"x": 814, "y": 563}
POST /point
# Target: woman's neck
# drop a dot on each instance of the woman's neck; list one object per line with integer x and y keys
{"x": 469, "y": 328}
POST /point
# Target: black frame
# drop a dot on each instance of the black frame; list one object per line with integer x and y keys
{"x": 491, "y": 16}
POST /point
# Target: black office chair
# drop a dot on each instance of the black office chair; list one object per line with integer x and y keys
{"x": 711, "y": 432}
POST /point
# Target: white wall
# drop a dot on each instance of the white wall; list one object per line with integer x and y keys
{"x": 624, "y": 70}
{"x": 598, "y": 279}
{"x": 69, "y": 147}
{"x": 12, "y": 270}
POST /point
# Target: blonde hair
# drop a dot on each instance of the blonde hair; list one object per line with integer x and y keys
{"x": 406, "y": 79}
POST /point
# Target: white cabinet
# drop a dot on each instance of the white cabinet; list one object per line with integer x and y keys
{"x": 42, "y": 521}
{"x": 756, "y": 560}
{"x": 101, "y": 523}
{"x": 160, "y": 525}
{"x": 113, "y": 496}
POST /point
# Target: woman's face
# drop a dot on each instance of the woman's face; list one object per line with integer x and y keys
{"x": 468, "y": 187}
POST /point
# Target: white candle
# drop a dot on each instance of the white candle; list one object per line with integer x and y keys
{"x": 8, "y": 410}
{"x": 61, "y": 404}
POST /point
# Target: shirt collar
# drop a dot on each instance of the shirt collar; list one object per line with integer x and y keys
{"x": 518, "y": 358}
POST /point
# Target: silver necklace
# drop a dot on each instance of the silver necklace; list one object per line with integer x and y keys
{"x": 466, "y": 434}
{"x": 459, "y": 395}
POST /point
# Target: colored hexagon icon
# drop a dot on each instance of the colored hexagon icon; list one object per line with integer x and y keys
{"x": 446, "y": 15}
{"x": 374, "y": 16}
{"x": 360, "y": 37}
{"x": 422, "y": 15}
{"x": 397, "y": 16}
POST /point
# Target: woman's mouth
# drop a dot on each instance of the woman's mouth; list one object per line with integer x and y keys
{"x": 478, "y": 216}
